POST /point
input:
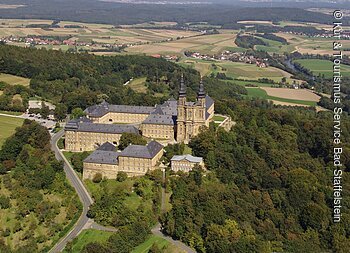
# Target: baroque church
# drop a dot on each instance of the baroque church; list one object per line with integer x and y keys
{"x": 173, "y": 121}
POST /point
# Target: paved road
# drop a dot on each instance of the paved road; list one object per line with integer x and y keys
{"x": 157, "y": 231}
{"x": 83, "y": 194}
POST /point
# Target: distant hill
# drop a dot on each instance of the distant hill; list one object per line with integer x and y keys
{"x": 116, "y": 13}
{"x": 248, "y": 3}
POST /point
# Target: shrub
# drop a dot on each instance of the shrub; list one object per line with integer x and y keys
{"x": 97, "y": 178}
{"x": 122, "y": 176}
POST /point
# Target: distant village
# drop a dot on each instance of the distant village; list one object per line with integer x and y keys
{"x": 32, "y": 40}
{"x": 231, "y": 56}
{"x": 46, "y": 40}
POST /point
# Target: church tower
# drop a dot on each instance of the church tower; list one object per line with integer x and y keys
{"x": 200, "y": 110}
{"x": 201, "y": 94}
{"x": 181, "y": 113}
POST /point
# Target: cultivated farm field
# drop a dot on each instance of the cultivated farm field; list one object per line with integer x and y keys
{"x": 300, "y": 94}
{"x": 86, "y": 32}
{"x": 205, "y": 44}
{"x": 237, "y": 70}
{"x": 285, "y": 96}
{"x": 323, "y": 67}
{"x": 311, "y": 45}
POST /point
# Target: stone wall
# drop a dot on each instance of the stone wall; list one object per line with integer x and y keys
{"x": 88, "y": 141}
{"x": 124, "y": 118}
{"x": 108, "y": 171}
{"x": 164, "y": 132}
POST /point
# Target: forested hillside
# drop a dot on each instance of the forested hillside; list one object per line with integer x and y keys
{"x": 37, "y": 205}
{"x": 93, "y": 11}
{"x": 269, "y": 188}
{"x": 81, "y": 80}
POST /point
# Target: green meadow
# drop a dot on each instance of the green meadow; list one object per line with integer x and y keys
{"x": 8, "y": 126}
{"x": 323, "y": 67}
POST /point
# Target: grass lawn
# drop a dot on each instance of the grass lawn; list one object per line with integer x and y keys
{"x": 8, "y": 126}
{"x": 60, "y": 143}
{"x": 11, "y": 113}
{"x": 323, "y": 67}
{"x": 257, "y": 92}
{"x": 68, "y": 154}
{"x": 13, "y": 80}
{"x": 88, "y": 236}
{"x": 187, "y": 150}
{"x": 218, "y": 118}
{"x": 138, "y": 85}
{"x": 144, "y": 247}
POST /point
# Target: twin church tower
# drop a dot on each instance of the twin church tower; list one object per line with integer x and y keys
{"x": 191, "y": 116}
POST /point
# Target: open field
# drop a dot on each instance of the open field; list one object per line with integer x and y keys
{"x": 206, "y": 44}
{"x": 275, "y": 46}
{"x": 86, "y": 32}
{"x": 323, "y": 67}
{"x": 13, "y": 80}
{"x": 293, "y": 94}
{"x": 302, "y": 44}
{"x": 286, "y": 103}
{"x": 237, "y": 70}
{"x": 147, "y": 39}
{"x": 88, "y": 236}
{"x": 281, "y": 97}
{"x": 101, "y": 35}
{"x": 312, "y": 45}
{"x": 150, "y": 24}
{"x": 251, "y": 83}
{"x": 8, "y": 126}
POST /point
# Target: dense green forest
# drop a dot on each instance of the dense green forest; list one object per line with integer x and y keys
{"x": 37, "y": 204}
{"x": 92, "y": 11}
{"x": 271, "y": 36}
{"x": 309, "y": 30}
{"x": 81, "y": 80}
{"x": 269, "y": 188}
{"x": 246, "y": 41}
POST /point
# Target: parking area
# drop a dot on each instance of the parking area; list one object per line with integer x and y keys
{"x": 48, "y": 123}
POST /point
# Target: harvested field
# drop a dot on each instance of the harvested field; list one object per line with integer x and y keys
{"x": 14, "y": 80}
{"x": 286, "y": 103}
{"x": 292, "y": 94}
{"x": 206, "y": 44}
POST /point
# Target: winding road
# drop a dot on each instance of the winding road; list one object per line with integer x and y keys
{"x": 83, "y": 194}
